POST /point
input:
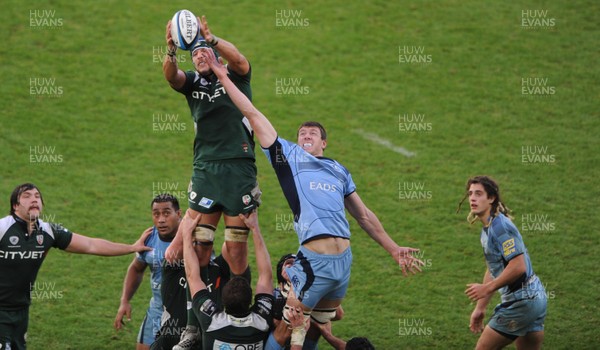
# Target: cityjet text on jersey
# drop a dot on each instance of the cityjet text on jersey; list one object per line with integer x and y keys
{"x": 23, "y": 255}
{"x": 200, "y": 95}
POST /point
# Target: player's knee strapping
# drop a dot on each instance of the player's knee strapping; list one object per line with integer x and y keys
{"x": 205, "y": 234}
{"x": 236, "y": 234}
{"x": 322, "y": 316}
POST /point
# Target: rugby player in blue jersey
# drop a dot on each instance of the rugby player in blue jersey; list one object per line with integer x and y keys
{"x": 317, "y": 190}
{"x": 165, "y": 216}
{"x": 520, "y": 316}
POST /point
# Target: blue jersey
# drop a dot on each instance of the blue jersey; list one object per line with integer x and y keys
{"x": 155, "y": 259}
{"x": 315, "y": 188}
{"x": 501, "y": 243}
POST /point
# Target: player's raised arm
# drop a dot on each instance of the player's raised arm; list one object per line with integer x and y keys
{"x": 263, "y": 129}
{"x": 263, "y": 260}
{"x": 236, "y": 61}
{"x": 174, "y": 75}
{"x": 369, "y": 222}
{"x": 192, "y": 266}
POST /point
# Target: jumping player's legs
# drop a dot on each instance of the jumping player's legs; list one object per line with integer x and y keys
{"x": 236, "y": 241}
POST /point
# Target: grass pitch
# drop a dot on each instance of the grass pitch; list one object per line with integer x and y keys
{"x": 466, "y": 87}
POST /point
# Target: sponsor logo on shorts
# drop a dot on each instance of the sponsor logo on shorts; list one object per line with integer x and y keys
{"x": 508, "y": 246}
{"x": 206, "y": 202}
{"x": 246, "y": 199}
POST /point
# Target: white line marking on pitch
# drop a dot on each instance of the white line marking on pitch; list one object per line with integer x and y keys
{"x": 375, "y": 138}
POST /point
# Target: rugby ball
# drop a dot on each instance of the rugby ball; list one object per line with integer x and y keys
{"x": 184, "y": 29}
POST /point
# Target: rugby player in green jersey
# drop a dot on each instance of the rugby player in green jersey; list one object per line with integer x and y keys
{"x": 223, "y": 181}
{"x": 24, "y": 243}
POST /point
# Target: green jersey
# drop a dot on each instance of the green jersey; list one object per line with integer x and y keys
{"x": 222, "y": 131}
{"x": 224, "y": 331}
{"x": 21, "y": 256}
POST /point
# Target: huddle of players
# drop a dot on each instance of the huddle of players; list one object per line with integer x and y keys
{"x": 224, "y": 184}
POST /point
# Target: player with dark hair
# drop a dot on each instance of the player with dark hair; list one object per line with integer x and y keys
{"x": 239, "y": 324}
{"x": 223, "y": 181}
{"x": 24, "y": 243}
{"x": 165, "y": 216}
{"x": 317, "y": 190}
{"x": 356, "y": 343}
{"x": 520, "y": 315}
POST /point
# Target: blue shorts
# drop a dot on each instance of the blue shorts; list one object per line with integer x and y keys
{"x": 150, "y": 326}
{"x": 318, "y": 276}
{"x": 524, "y": 314}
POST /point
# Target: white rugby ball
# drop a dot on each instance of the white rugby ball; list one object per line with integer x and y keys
{"x": 184, "y": 29}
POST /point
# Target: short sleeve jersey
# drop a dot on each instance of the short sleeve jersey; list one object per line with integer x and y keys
{"x": 222, "y": 131}
{"x": 502, "y": 242}
{"x": 21, "y": 256}
{"x": 315, "y": 188}
{"x": 223, "y": 331}
{"x": 154, "y": 259}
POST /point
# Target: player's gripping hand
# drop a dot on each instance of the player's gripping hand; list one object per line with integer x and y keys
{"x": 188, "y": 224}
{"x": 170, "y": 43}
{"x": 205, "y": 30}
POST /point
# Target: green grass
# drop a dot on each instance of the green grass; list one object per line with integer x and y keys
{"x": 102, "y": 57}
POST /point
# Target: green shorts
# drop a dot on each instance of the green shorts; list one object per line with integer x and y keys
{"x": 13, "y": 329}
{"x": 229, "y": 186}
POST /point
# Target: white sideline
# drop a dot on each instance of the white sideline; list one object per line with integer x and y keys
{"x": 375, "y": 138}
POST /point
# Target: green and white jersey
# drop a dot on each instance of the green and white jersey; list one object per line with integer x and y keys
{"x": 224, "y": 331}
{"x": 222, "y": 131}
{"x": 22, "y": 254}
